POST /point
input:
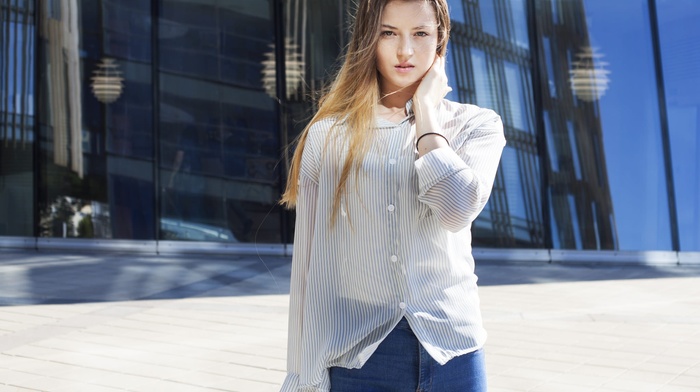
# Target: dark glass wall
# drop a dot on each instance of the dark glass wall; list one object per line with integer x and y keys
{"x": 95, "y": 111}
{"x": 679, "y": 32}
{"x": 17, "y": 117}
{"x": 218, "y": 123}
{"x": 168, "y": 119}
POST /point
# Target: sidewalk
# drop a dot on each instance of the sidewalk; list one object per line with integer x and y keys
{"x": 203, "y": 324}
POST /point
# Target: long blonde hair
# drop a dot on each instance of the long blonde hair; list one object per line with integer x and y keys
{"x": 354, "y": 94}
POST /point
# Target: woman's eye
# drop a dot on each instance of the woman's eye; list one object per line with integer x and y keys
{"x": 422, "y": 34}
{"x": 387, "y": 33}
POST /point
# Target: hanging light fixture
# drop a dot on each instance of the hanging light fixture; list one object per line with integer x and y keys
{"x": 294, "y": 69}
{"x": 588, "y": 76}
{"x": 107, "y": 81}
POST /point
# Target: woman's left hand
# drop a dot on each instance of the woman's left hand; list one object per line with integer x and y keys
{"x": 430, "y": 92}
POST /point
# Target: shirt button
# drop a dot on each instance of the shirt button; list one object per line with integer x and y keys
{"x": 402, "y": 305}
{"x": 394, "y": 258}
{"x": 391, "y": 208}
{"x": 392, "y": 161}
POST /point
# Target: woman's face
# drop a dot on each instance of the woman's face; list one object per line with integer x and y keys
{"x": 407, "y": 44}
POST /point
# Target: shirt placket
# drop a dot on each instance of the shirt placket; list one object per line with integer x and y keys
{"x": 394, "y": 210}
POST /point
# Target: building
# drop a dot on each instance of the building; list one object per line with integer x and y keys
{"x": 164, "y": 124}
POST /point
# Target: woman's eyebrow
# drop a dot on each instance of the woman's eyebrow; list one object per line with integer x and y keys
{"x": 422, "y": 27}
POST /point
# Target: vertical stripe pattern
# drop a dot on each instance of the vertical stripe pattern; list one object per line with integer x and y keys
{"x": 401, "y": 246}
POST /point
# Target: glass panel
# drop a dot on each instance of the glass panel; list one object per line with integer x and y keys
{"x": 550, "y": 67}
{"x": 482, "y": 80}
{"x": 679, "y": 30}
{"x": 456, "y": 11}
{"x": 17, "y": 119}
{"x": 452, "y": 69}
{"x": 517, "y": 104}
{"x": 518, "y": 13}
{"x": 551, "y": 149}
{"x": 604, "y": 126}
{"x": 514, "y": 193}
{"x": 487, "y": 11}
{"x": 219, "y": 129}
{"x": 95, "y": 118}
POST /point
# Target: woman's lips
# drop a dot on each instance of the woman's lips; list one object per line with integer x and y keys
{"x": 403, "y": 68}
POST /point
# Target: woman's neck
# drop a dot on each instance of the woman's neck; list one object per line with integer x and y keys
{"x": 396, "y": 99}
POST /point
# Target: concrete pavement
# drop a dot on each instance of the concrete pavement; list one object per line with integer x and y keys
{"x": 115, "y": 322}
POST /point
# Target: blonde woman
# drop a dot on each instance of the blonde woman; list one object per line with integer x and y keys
{"x": 386, "y": 180}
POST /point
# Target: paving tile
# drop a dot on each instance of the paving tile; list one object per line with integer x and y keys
{"x": 559, "y": 387}
{"x": 84, "y": 387}
{"x": 633, "y": 386}
{"x": 509, "y": 382}
{"x": 678, "y": 388}
{"x": 171, "y": 386}
{"x": 598, "y": 371}
{"x": 10, "y": 388}
{"x": 250, "y": 373}
{"x": 686, "y": 381}
{"x": 552, "y": 327}
{"x": 650, "y": 377}
{"x": 81, "y": 374}
{"x": 660, "y": 367}
{"x": 693, "y": 371}
{"x": 238, "y": 385}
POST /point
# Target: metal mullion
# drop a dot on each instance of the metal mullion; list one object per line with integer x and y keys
{"x": 36, "y": 152}
{"x": 5, "y": 73}
{"x": 540, "y": 134}
{"x": 155, "y": 103}
{"x": 14, "y": 77}
{"x": 24, "y": 96}
{"x": 277, "y": 15}
{"x": 663, "y": 117}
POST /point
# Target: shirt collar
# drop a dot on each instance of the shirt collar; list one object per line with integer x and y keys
{"x": 382, "y": 123}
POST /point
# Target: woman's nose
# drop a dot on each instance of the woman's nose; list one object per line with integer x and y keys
{"x": 405, "y": 48}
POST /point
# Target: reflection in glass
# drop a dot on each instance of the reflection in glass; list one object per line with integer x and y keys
{"x": 96, "y": 167}
{"x": 491, "y": 70}
{"x": 219, "y": 137}
{"x": 679, "y": 28}
{"x": 609, "y": 159}
{"x": 518, "y": 15}
{"x": 487, "y": 11}
{"x": 482, "y": 79}
{"x": 17, "y": 118}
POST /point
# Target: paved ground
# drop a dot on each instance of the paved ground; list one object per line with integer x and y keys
{"x": 202, "y": 324}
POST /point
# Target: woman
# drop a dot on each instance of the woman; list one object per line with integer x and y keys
{"x": 386, "y": 180}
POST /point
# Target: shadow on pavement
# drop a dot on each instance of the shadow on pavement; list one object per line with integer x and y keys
{"x": 510, "y": 273}
{"x": 44, "y": 277}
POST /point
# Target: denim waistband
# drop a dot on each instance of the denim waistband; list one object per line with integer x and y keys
{"x": 403, "y": 324}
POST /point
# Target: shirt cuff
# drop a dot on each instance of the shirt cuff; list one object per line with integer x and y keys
{"x": 437, "y": 165}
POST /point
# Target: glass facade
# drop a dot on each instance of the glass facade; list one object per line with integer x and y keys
{"x": 17, "y": 118}
{"x": 219, "y": 138}
{"x": 170, "y": 119}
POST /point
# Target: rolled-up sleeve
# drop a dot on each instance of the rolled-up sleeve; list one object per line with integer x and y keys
{"x": 456, "y": 183}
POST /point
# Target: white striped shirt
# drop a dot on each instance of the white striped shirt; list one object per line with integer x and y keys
{"x": 401, "y": 246}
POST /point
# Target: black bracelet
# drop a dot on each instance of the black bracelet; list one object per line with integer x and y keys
{"x": 431, "y": 133}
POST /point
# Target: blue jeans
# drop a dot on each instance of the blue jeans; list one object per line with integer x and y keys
{"x": 401, "y": 364}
